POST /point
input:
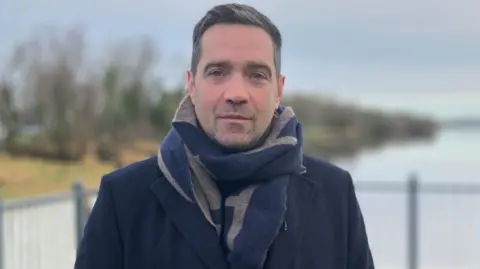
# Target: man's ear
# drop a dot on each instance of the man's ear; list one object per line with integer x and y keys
{"x": 281, "y": 85}
{"x": 191, "y": 85}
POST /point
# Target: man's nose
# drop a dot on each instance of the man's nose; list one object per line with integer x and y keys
{"x": 237, "y": 91}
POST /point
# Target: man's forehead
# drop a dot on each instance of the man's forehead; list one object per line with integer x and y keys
{"x": 223, "y": 31}
{"x": 237, "y": 44}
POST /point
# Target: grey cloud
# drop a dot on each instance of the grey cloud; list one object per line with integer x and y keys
{"x": 351, "y": 35}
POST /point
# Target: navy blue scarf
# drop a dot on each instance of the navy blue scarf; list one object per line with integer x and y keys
{"x": 250, "y": 219}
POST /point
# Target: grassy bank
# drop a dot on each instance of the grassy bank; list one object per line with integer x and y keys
{"x": 25, "y": 176}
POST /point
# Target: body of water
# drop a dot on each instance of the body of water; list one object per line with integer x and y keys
{"x": 453, "y": 156}
{"x": 449, "y": 234}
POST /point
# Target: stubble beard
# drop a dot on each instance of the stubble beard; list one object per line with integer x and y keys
{"x": 250, "y": 142}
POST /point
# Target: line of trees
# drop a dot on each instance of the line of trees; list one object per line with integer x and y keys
{"x": 56, "y": 104}
{"x": 53, "y": 103}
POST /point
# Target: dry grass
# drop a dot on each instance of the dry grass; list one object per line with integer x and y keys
{"x": 23, "y": 177}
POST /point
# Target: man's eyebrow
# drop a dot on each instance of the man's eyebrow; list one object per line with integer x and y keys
{"x": 223, "y": 64}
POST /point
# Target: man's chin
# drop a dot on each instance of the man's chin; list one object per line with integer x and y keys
{"x": 235, "y": 143}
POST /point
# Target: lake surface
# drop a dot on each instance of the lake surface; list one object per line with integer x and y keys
{"x": 449, "y": 225}
{"x": 454, "y": 156}
{"x": 449, "y": 236}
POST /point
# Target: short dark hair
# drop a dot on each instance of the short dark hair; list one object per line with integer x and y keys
{"x": 235, "y": 14}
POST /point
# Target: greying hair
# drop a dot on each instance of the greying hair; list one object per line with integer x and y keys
{"x": 235, "y": 14}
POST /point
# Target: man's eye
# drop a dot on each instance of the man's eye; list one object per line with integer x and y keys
{"x": 216, "y": 73}
{"x": 259, "y": 76}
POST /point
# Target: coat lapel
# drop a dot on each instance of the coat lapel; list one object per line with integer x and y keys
{"x": 300, "y": 200}
{"x": 191, "y": 222}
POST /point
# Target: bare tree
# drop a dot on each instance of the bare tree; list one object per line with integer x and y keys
{"x": 50, "y": 66}
{"x": 8, "y": 114}
{"x": 127, "y": 100}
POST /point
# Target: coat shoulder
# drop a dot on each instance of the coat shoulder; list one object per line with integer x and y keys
{"x": 135, "y": 176}
{"x": 327, "y": 174}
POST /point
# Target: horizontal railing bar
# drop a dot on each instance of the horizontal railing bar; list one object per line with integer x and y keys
{"x": 37, "y": 201}
{"x": 423, "y": 187}
{"x": 449, "y": 188}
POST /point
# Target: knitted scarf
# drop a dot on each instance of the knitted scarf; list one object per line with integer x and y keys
{"x": 250, "y": 219}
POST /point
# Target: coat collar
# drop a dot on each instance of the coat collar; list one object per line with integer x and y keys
{"x": 201, "y": 235}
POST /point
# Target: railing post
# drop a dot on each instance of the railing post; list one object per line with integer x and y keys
{"x": 412, "y": 225}
{"x": 2, "y": 238}
{"x": 80, "y": 214}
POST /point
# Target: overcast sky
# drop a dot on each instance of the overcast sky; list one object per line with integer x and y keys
{"x": 418, "y": 55}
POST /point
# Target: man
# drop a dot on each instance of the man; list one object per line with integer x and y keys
{"x": 230, "y": 187}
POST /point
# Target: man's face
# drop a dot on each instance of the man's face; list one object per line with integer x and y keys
{"x": 235, "y": 90}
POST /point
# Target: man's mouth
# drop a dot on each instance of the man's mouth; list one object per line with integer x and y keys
{"x": 234, "y": 116}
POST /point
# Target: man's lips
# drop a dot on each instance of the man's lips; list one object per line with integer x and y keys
{"x": 234, "y": 117}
